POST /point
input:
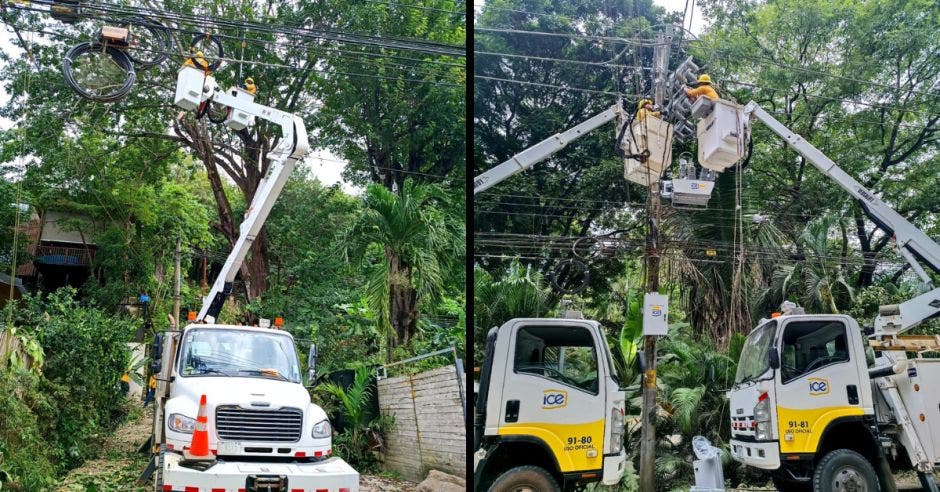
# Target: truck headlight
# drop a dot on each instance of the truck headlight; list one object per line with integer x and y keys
{"x": 762, "y": 418}
{"x": 181, "y": 423}
{"x": 616, "y": 430}
{"x": 762, "y": 431}
{"x": 322, "y": 429}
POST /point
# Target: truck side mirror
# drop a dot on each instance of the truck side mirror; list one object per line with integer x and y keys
{"x": 773, "y": 358}
{"x": 156, "y": 353}
{"x": 312, "y": 364}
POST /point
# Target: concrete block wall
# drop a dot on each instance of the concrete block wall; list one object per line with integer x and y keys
{"x": 429, "y": 431}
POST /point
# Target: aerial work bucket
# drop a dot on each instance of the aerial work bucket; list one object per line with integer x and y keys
{"x": 189, "y": 85}
{"x": 655, "y": 135}
{"x": 721, "y": 134}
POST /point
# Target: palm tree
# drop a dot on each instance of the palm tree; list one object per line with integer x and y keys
{"x": 419, "y": 234}
{"x": 818, "y": 282}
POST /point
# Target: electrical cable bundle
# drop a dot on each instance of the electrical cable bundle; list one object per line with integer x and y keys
{"x": 95, "y": 69}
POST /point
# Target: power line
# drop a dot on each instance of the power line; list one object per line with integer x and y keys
{"x": 608, "y": 39}
{"x": 729, "y": 55}
{"x": 424, "y": 46}
{"x": 184, "y": 55}
{"x": 560, "y": 60}
{"x": 539, "y": 84}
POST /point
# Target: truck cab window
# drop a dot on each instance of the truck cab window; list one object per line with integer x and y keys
{"x": 810, "y": 345}
{"x": 566, "y": 355}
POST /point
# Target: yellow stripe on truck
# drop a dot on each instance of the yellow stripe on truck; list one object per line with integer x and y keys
{"x": 800, "y": 429}
{"x": 570, "y": 443}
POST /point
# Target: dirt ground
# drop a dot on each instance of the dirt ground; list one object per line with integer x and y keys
{"x": 119, "y": 464}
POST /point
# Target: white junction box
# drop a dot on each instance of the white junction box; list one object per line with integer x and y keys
{"x": 691, "y": 191}
{"x": 655, "y": 310}
{"x": 721, "y": 136}
{"x": 655, "y": 135}
{"x": 238, "y": 119}
{"x": 189, "y": 83}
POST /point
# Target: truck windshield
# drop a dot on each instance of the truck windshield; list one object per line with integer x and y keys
{"x": 754, "y": 360}
{"x": 242, "y": 353}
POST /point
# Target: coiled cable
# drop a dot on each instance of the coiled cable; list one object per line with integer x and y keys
{"x": 118, "y": 56}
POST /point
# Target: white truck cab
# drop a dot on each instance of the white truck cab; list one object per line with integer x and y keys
{"x": 550, "y": 410}
{"x": 257, "y": 403}
{"x": 263, "y": 429}
{"x": 810, "y": 404}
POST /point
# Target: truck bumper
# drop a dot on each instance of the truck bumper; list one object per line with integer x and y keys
{"x": 764, "y": 455}
{"x": 333, "y": 475}
{"x": 614, "y": 467}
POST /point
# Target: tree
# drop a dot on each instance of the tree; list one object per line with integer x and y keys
{"x": 518, "y": 292}
{"x": 285, "y": 75}
{"x": 404, "y": 119}
{"x": 416, "y": 235}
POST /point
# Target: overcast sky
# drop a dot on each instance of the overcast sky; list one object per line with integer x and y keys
{"x": 323, "y": 164}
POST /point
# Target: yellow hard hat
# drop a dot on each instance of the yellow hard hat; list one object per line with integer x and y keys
{"x": 704, "y": 79}
{"x": 249, "y": 81}
{"x": 644, "y": 102}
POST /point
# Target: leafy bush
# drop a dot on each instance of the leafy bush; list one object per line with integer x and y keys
{"x": 364, "y": 432}
{"x": 74, "y": 401}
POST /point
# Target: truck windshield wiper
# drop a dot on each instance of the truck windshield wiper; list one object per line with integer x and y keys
{"x": 272, "y": 374}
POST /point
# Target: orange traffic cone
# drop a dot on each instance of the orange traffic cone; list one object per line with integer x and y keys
{"x": 199, "y": 447}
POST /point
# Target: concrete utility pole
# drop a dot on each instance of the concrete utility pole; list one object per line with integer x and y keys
{"x": 176, "y": 281}
{"x": 648, "y": 417}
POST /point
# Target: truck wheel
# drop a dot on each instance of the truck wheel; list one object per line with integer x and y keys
{"x": 158, "y": 470}
{"x": 844, "y": 470}
{"x": 525, "y": 479}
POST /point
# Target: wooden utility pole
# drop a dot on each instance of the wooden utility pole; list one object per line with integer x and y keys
{"x": 176, "y": 281}
{"x": 648, "y": 416}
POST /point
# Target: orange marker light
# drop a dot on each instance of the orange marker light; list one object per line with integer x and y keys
{"x": 278, "y": 322}
{"x": 191, "y": 316}
{"x": 774, "y": 315}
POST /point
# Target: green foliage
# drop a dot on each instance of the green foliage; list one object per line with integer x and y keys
{"x": 363, "y": 433}
{"x": 412, "y": 239}
{"x": 57, "y": 416}
{"x": 518, "y": 292}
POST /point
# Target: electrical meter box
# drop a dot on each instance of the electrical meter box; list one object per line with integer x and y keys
{"x": 655, "y": 309}
{"x": 238, "y": 119}
{"x": 655, "y": 135}
{"x": 189, "y": 83}
{"x": 721, "y": 136}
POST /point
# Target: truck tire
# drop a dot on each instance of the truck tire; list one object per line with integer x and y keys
{"x": 842, "y": 470}
{"x": 525, "y": 479}
{"x": 158, "y": 470}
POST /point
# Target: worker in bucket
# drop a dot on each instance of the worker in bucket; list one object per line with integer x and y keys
{"x": 644, "y": 108}
{"x": 703, "y": 88}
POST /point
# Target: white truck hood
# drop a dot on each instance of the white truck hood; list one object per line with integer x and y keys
{"x": 248, "y": 392}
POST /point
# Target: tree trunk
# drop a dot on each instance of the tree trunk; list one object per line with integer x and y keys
{"x": 403, "y": 309}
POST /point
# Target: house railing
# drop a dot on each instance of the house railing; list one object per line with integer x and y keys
{"x": 63, "y": 255}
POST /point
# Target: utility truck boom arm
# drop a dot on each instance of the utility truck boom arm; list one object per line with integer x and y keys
{"x": 913, "y": 244}
{"x": 291, "y": 148}
{"x": 543, "y": 150}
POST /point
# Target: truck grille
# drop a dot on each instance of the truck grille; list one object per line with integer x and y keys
{"x": 240, "y": 424}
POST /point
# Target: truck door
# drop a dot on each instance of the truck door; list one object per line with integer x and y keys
{"x": 554, "y": 392}
{"x": 818, "y": 381}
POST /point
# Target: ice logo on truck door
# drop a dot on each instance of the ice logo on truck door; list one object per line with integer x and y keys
{"x": 552, "y": 399}
{"x": 818, "y": 386}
